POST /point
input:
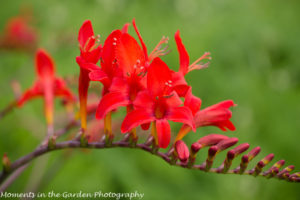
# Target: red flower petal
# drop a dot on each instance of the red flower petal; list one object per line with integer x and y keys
{"x": 97, "y": 75}
{"x": 136, "y": 118}
{"x": 217, "y": 115}
{"x": 181, "y": 114}
{"x": 143, "y": 100}
{"x": 125, "y": 28}
{"x": 163, "y": 133}
{"x": 173, "y": 100}
{"x": 194, "y": 103}
{"x": 86, "y": 65}
{"x": 119, "y": 85}
{"x": 60, "y": 89}
{"x": 92, "y": 56}
{"x": 183, "y": 55}
{"x": 224, "y": 104}
{"x": 182, "y": 151}
{"x": 44, "y": 64}
{"x": 85, "y": 31}
{"x": 179, "y": 84}
{"x": 141, "y": 39}
{"x": 129, "y": 54}
{"x": 33, "y": 92}
{"x": 145, "y": 126}
{"x": 111, "y": 101}
{"x": 158, "y": 76}
{"x": 108, "y": 62}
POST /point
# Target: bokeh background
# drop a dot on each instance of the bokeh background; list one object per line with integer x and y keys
{"x": 255, "y": 47}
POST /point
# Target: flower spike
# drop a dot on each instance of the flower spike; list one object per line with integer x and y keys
{"x": 47, "y": 86}
{"x": 152, "y": 94}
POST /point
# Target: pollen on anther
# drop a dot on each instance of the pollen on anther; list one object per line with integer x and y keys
{"x": 115, "y": 39}
{"x": 138, "y": 61}
{"x": 114, "y": 43}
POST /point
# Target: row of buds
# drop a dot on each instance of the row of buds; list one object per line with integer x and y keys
{"x": 218, "y": 143}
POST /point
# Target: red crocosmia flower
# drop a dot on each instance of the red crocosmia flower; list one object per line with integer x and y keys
{"x": 47, "y": 85}
{"x": 191, "y": 101}
{"x": 216, "y": 115}
{"x": 179, "y": 83}
{"x": 158, "y": 104}
{"x": 90, "y": 53}
{"x": 109, "y": 65}
{"x": 18, "y": 33}
{"x": 124, "y": 89}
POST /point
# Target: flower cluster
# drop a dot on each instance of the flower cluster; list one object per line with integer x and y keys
{"x": 145, "y": 85}
{"x": 19, "y": 34}
{"x": 153, "y": 95}
{"x": 47, "y": 86}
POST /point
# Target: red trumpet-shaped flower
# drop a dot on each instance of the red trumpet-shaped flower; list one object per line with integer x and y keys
{"x": 89, "y": 54}
{"x": 179, "y": 83}
{"x": 158, "y": 104}
{"x": 216, "y": 115}
{"x": 18, "y": 33}
{"x": 125, "y": 63}
{"x": 132, "y": 62}
{"x": 47, "y": 85}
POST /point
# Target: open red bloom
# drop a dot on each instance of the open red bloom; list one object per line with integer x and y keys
{"x": 123, "y": 70}
{"x": 158, "y": 104}
{"x": 18, "y": 33}
{"x": 179, "y": 83}
{"x": 47, "y": 85}
{"x": 216, "y": 115}
{"x": 90, "y": 53}
{"x": 88, "y": 44}
{"x": 109, "y": 65}
{"x": 131, "y": 60}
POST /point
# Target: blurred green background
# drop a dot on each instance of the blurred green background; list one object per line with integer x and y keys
{"x": 255, "y": 47}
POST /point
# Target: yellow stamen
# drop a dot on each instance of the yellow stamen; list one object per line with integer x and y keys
{"x": 195, "y": 64}
{"x": 158, "y": 50}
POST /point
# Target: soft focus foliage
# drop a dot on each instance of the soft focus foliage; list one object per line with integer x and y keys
{"x": 255, "y": 48}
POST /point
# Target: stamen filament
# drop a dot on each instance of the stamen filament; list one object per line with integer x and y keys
{"x": 195, "y": 64}
{"x": 158, "y": 50}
